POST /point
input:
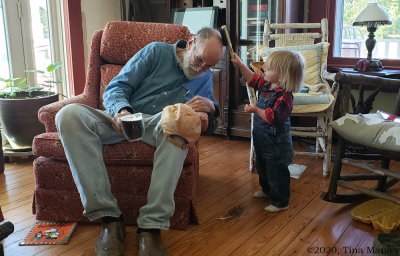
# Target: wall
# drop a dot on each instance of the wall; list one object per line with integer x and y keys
{"x": 95, "y": 15}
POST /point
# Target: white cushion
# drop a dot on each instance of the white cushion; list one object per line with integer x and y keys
{"x": 369, "y": 130}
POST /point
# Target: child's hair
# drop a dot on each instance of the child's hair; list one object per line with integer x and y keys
{"x": 290, "y": 67}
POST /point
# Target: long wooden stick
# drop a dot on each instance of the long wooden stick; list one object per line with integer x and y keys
{"x": 228, "y": 40}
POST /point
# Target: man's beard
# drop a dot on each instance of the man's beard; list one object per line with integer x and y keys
{"x": 187, "y": 68}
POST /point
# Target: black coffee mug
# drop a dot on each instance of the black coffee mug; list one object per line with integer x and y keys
{"x": 133, "y": 126}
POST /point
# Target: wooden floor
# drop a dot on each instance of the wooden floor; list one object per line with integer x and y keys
{"x": 310, "y": 226}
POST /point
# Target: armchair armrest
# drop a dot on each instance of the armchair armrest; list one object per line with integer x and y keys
{"x": 47, "y": 114}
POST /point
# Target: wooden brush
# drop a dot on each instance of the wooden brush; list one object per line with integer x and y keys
{"x": 227, "y": 40}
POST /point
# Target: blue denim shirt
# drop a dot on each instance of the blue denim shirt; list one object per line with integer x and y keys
{"x": 153, "y": 79}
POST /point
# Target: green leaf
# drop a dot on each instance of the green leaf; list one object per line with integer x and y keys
{"x": 22, "y": 81}
{"x": 54, "y": 66}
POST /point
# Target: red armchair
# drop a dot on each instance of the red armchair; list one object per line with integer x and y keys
{"x": 129, "y": 164}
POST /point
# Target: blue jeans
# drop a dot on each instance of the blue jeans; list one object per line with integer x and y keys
{"x": 274, "y": 154}
{"x": 84, "y": 130}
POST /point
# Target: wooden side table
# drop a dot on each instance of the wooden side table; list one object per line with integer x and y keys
{"x": 365, "y": 104}
{"x": 385, "y": 73}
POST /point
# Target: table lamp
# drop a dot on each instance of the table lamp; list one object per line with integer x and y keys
{"x": 371, "y": 16}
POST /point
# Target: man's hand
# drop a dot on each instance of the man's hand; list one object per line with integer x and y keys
{"x": 201, "y": 104}
{"x": 116, "y": 121}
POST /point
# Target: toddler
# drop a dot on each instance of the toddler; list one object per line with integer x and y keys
{"x": 283, "y": 74}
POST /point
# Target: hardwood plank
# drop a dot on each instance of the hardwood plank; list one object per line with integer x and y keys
{"x": 82, "y": 234}
{"x": 17, "y": 203}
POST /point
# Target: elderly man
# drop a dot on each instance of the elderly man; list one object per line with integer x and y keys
{"x": 158, "y": 75}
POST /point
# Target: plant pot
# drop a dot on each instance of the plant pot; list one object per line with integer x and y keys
{"x": 19, "y": 117}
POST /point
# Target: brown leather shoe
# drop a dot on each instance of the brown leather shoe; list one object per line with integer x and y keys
{"x": 150, "y": 244}
{"x": 111, "y": 240}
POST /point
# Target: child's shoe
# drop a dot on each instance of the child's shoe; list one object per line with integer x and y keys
{"x": 259, "y": 194}
{"x": 272, "y": 208}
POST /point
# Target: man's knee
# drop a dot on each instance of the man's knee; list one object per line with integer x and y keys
{"x": 67, "y": 116}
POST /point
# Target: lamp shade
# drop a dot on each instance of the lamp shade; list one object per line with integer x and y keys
{"x": 372, "y": 15}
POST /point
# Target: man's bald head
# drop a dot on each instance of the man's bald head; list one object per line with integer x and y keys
{"x": 204, "y": 50}
{"x": 209, "y": 40}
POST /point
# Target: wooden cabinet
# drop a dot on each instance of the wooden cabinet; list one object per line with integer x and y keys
{"x": 221, "y": 93}
{"x": 246, "y": 31}
{"x": 246, "y": 26}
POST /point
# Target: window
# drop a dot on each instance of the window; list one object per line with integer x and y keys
{"x": 4, "y": 65}
{"x": 349, "y": 41}
{"x": 31, "y": 38}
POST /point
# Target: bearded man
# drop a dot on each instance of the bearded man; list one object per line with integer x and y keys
{"x": 158, "y": 75}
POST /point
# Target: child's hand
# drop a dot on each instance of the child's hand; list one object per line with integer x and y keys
{"x": 236, "y": 61}
{"x": 253, "y": 109}
{"x": 250, "y": 108}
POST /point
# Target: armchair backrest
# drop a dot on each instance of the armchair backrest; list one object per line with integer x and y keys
{"x": 315, "y": 54}
{"x": 291, "y": 39}
{"x": 119, "y": 41}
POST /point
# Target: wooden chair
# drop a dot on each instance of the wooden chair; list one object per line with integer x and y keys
{"x": 374, "y": 139}
{"x": 315, "y": 73}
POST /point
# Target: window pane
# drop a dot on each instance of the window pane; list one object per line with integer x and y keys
{"x": 4, "y": 67}
{"x": 41, "y": 37}
{"x": 350, "y": 40}
{"x": 253, "y": 13}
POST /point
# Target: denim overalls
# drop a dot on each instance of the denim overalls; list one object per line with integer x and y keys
{"x": 274, "y": 153}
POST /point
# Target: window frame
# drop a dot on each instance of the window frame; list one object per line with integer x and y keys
{"x": 331, "y": 8}
{"x": 14, "y": 35}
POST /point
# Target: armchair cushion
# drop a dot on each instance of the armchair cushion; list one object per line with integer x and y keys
{"x": 369, "y": 130}
{"x": 123, "y": 153}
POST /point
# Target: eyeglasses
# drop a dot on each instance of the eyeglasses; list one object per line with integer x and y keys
{"x": 198, "y": 60}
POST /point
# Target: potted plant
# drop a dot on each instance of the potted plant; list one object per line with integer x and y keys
{"x": 19, "y": 105}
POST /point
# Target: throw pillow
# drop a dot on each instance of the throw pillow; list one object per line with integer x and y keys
{"x": 315, "y": 57}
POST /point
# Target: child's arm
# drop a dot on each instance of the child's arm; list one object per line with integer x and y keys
{"x": 247, "y": 73}
{"x": 250, "y": 108}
